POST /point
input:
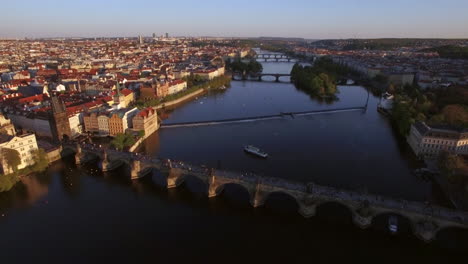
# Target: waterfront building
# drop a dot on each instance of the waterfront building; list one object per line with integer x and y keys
{"x": 120, "y": 120}
{"x": 146, "y": 120}
{"x": 91, "y": 122}
{"x": 176, "y": 86}
{"x": 209, "y": 74}
{"x": 76, "y": 124}
{"x": 429, "y": 141}
{"x": 103, "y": 124}
{"x": 25, "y": 144}
{"x": 162, "y": 90}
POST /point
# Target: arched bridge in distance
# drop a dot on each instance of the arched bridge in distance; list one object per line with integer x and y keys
{"x": 275, "y": 57}
{"x": 425, "y": 221}
{"x": 259, "y": 76}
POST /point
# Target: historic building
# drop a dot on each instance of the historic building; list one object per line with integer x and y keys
{"x": 91, "y": 122}
{"x": 429, "y": 141}
{"x": 120, "y": 120}
{"x": 103, "y": 124}
{"x": 146, "y": 120}
{"x": 60, "y": 124}
{"x": 26, "y": 145}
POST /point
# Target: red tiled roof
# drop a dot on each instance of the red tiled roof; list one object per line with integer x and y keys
{"x": 38, "y": 97}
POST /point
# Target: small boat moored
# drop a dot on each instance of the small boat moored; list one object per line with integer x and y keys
{"x": 255, "y": 151}
{"x": 393, "y": 224}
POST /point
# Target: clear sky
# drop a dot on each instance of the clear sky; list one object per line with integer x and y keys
{"x": 316, "y": 19}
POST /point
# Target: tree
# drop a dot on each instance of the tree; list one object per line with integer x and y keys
{"x": 456, "y": 115}
{"x": 123, "y": 140}
{"x": 391, "y": 88}
{"x": 453, "y": 167}
{"x": 41, "y": 162}
{"x": 12, "y": 158}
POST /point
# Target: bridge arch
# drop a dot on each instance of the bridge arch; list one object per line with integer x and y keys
{"x": 68, "y": 151}
{"x": 119, "y": 159}
{"x": 281, "y": 200}
{"x": 335, "y": 211}
{"x": 235, "y": 191}
{"x": 405, "y": 224}
{"x": 452, "y": 237}
{"x": 193, "y": 183}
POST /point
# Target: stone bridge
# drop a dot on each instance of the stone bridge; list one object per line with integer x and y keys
{"x": 276, "y": 57}
{"x": 259, "y": 77}
{"x": 426, "y": 221}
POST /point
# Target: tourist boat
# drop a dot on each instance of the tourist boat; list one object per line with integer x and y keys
{"x": 393, "y": 224}
{"x": 255, "y": 151}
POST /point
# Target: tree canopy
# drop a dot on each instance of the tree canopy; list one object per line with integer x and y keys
{"x": 251, "y": 67}
{"x": 313, "y": 80}
{"x": 12, "y": 158}
{"x": 123, "y": 140}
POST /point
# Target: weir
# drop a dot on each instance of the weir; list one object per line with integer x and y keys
{"x": 259, "y": 118}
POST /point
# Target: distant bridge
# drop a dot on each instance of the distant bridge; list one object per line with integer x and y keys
{"x": 259, "y": 76}
{"x": 426, "y": 221}
{"x": 275, "y": 57}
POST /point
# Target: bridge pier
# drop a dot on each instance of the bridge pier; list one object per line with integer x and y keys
{"x": 361, "y": 222}
{"x": 307, "y": 211}
{"x": 136, "y": 170}
{"x": 105, "y": 163}
{"x": 257, "y": 199}
{"x": 173, "y": 178}
{"x": 79, "y": 157}
{"x": 425, "y": 230}
{"x": 277, "y": 78}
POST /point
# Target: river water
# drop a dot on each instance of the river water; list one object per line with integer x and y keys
{"x": 77, "y": 215}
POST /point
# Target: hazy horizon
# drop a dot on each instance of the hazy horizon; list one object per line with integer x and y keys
{"x": 335, "y": 19}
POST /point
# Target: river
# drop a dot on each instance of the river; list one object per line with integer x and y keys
{"x": 77, "y": 214}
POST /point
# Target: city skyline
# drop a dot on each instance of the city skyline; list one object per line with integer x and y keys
{"x": 304, "y": 19}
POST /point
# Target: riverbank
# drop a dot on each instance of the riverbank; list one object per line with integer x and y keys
{"x": 181, "y": 99}
{"x": 8, "y": 181}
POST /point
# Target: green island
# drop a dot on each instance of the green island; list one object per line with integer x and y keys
{"x": 237, "y": 65}
{"x": 13, "y": 159}
{"x": 320, "y": 79}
